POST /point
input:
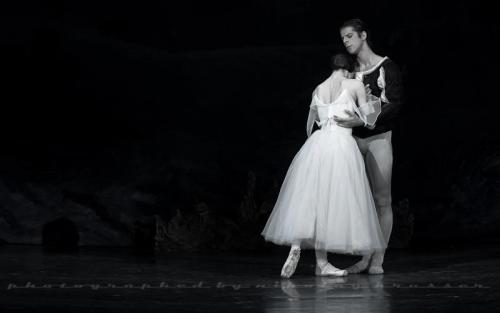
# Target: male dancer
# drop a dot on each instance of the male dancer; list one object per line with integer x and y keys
{"x": 382, "y": 78}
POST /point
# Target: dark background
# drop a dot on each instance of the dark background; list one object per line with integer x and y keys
{"x": 120, "y": 116}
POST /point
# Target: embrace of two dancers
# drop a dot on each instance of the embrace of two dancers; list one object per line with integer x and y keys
{"x": 336, "y": 195}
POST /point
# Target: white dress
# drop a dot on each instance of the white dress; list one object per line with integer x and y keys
{"x": 325, "y": 201}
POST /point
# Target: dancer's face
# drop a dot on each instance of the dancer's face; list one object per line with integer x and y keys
{"x": 352, "y": 40}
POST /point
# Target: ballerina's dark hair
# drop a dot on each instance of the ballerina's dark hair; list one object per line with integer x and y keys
{"x": 342, "y": 61}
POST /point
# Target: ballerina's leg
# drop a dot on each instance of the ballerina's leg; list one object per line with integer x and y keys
{"x": 324, "y": 268}
{"x": 321, "y": 257}
{"x": 292, "y": 260}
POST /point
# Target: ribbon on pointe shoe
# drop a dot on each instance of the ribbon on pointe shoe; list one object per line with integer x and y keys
{"x": 291, "y": 263}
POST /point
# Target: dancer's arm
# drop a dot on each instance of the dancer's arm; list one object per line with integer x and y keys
{"x": 369, "y": 106}
{"x": 360, "y": 92}
{"x": 393, "y": 92}
{"x": 312, "y": 116}
{"x": 353, "y": 120}
{"x": 313, "y": 113}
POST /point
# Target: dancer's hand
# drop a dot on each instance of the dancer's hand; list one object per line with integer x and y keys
{"x": 368, "y": 90}
{"x": 349, "y": 122}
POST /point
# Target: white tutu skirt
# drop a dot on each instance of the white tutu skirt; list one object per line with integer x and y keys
{"x": 325, "y": 201}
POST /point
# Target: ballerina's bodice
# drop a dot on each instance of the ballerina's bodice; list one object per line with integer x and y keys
{"x": 327, "y": 111}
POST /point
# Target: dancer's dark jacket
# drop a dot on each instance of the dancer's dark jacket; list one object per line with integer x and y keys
{"x": 393, "y": 94}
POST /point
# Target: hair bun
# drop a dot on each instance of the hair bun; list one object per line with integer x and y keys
{"x": 342, "y": 61}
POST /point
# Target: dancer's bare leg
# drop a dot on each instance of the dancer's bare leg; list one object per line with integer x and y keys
{"x": 321, "y": 257}
{"x": 385, "y": 218}
{"x": 360, "y": 266}
{"x": 379, "y": 161}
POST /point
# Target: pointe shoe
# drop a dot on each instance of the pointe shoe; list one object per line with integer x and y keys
{"x": 329, "y": 270}
{"x": 291, "y": 263}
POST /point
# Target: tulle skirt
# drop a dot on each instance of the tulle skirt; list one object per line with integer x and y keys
{"x": 325, "y": 201}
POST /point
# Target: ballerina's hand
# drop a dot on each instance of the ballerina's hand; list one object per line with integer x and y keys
{"x": 368, "y": 90}
{"x": 348, "y": 122}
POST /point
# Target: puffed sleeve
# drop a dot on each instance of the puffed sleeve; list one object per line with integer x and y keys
{"x": 370, "y": 111}
{"x": 390, "y": 81}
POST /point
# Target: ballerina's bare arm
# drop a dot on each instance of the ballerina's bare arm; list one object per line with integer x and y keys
{"x": 312, "y": 116}
{"x": 367, "y": 110}
{"x": 369, "y": 107}
{"x": 353, "y": 120}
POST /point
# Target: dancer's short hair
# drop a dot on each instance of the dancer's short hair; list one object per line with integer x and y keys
{"x": 342, "y": 61}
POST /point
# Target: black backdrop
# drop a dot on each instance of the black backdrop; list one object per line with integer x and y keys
{"x": 196, "y": 109}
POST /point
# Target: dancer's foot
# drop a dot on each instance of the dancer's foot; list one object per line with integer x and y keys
{"x": 376, "y": 262}
{"x": 291, "y": 263}
{"x": 329, "y": 270}
{"x": 289, "y": 288}
{"x": 359, "y": 267}
{"x": 375, "y": 270}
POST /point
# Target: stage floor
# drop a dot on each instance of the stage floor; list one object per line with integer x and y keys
{"x": 119, "y": 280}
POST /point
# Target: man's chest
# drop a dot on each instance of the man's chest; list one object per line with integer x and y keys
{"x": 374, "y": 79}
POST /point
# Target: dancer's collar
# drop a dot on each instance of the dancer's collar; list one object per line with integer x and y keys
{"x": 373, "y": 68}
